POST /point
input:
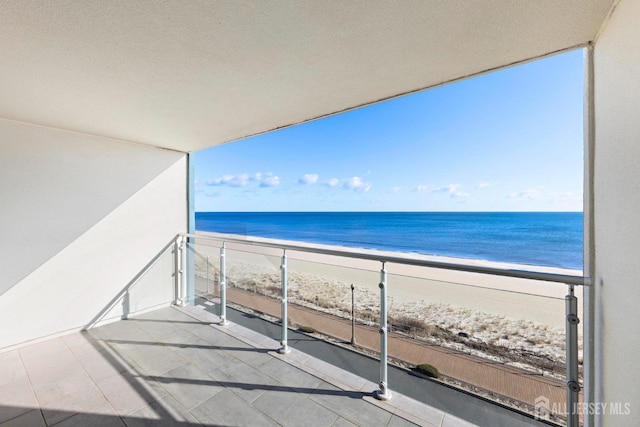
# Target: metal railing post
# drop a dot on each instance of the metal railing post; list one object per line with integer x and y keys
{"x": 183, "y": 270}
{"x": 223, "y": 285}
{"x": 176, "y": 260}
{"x": 353, "y": 315}
{"x": 573, "y": 383}
{"x": 180, "y": 273}
{"x": 283, "y": 341}
{"x": 383, "y": 393}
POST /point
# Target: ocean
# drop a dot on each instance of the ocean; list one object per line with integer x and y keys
{"x": 551, "y": 239}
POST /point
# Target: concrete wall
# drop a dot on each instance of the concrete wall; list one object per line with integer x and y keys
{"x": 617, "y": 213}
{"x": 81, "y": 217}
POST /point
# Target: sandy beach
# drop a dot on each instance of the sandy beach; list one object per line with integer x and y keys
{"x": 515, "y": 315}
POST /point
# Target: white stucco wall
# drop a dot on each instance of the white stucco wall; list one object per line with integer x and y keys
{"x": 617, "y": 213}
{"x": 81, "y": 216}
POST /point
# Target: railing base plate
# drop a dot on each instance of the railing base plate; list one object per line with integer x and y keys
{"x": 380, "y": 395}
{"x": 284, "y": 350}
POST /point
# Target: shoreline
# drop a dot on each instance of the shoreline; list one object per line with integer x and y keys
{"x": 503, "y": 283}
{"x": 408, "y": 255}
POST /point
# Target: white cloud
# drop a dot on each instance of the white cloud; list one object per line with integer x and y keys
{"x": 459, "y": 194}
{"x": 421, "y": 188}
{"x": 356, "y": 183}
{"x": 308, "y": 179}
{"x": 395, "y": 189}
{"x": 230, "y": 180}
{"x": 452, "y": 190}
{"x": 270, "y": 181}
{"x": 242, "y": 180}
{"x": 528, "y": 194}
{"x": 482, "y": 185}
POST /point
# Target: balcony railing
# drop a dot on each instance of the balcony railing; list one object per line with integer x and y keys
{"x": 510, "y": 335}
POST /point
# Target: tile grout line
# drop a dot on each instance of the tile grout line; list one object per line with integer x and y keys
{"x": 33, "y": 391}
{"x": 93, "y": 381}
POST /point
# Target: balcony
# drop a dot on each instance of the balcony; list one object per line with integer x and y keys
{"x": 171, "y": 367}
{"x": 204, "y": 362}
{"x": 492, "y": 331}
{"x": 174, "y": 366}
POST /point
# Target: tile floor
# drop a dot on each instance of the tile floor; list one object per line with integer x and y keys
{"x": 173, "y": 367}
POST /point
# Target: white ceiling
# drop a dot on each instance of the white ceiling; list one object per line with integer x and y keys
{"x": 191, "y": 74}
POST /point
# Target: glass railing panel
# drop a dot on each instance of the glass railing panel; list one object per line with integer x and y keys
{"x": 155, "y": 287}
{"x": 206, "y": 272}
{"x": 252, "y": 278}
{"x": 491, "y": 334}
{"x": 320, "y": 293}
{"x": 254, "y": 281}
{"x": 500, "y": 337}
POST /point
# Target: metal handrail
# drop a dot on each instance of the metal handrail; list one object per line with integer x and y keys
{"x": 386, "y": 258}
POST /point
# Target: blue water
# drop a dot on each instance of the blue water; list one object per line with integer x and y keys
{"x": 533, "y": 238}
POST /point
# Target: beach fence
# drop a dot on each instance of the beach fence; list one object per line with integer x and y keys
{"x": 502, "y": 332}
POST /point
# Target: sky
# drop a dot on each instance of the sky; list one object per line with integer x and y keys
{"x": 510, "y": 140}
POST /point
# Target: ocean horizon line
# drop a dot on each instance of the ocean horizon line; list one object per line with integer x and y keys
{"x": 311, "y": 211}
